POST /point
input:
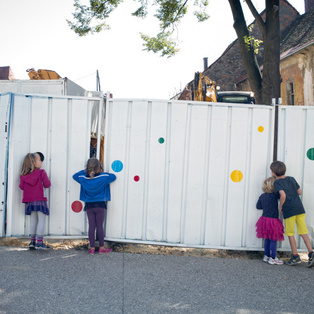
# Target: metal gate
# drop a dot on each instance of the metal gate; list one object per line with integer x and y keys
{"x": 296, "y": 150}
{"x": 59, "y": 127}
{"x": 188, "y": 173}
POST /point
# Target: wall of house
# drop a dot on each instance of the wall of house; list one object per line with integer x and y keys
{"x": 291, "y": 74}
{"x": 298, "y": 70}
{"x": 308, "y": 75}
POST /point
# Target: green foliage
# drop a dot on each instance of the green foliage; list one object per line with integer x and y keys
{"x": 162, "y": 43}
{"x": 252, "y": 42}
{"x": 170, "y": 12}
{"x": 201, "y": 14}
{"x": 84, "y": 16}
{"x": 92, "y": 19}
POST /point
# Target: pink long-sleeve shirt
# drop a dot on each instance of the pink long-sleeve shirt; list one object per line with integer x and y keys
{"x": 33, "y": 185}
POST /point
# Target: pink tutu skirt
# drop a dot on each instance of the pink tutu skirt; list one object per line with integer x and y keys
{"x": 270, "y": 228}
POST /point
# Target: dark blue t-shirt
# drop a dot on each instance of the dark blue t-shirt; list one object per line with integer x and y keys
{"x": 268, "y": 202}
{"x": 292, "y": 205}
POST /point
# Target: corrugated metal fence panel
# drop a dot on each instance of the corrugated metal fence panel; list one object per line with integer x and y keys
{"x": 189, "y": 173}
{"x": 4, "y": 128}
{"x": 296, "y": 150}
{"x": 60, "y": 128}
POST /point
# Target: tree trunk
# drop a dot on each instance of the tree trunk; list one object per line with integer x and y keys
{"x": 271, "y": 58}
{"x": 248, "y": 56}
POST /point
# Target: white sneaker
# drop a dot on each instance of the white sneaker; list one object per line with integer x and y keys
{"x": 275, "y": 261}
{"x": 266, "y": 258}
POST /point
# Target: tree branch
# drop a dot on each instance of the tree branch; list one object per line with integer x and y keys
{"x": 180, "y": 9}
{"x": 257, "y": 17}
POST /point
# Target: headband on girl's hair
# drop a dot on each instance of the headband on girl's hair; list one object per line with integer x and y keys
{"x": 41, "y": 155}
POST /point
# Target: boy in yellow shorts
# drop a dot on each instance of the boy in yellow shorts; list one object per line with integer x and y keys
{"x": 293, "y": 211}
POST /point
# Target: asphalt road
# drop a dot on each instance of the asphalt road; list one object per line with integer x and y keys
{"x": 71, "y": 281}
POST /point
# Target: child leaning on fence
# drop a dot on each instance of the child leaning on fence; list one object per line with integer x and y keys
{"x": 95, "y": 192}
{"x": 293, "y": 211}
{"x": 33, "y": 180}
{"x": 269, "y": 226}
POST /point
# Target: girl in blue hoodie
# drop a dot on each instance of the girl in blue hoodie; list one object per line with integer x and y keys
{"x": 95, "y": 192}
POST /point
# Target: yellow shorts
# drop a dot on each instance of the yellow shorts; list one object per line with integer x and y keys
{"x": 290, "y": 224}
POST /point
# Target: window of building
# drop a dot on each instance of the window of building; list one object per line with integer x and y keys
{"x": 290, "y": 92}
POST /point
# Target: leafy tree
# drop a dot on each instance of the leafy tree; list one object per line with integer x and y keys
{"x": 92, "y": 18}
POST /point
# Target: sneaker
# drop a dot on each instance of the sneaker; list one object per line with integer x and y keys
{"x": 275, "y": 261}
{"x": 266, "y": 258}
{"x": 294, "y": 260}
{"x": 42, "y": 246}
{"x": 32, "y": 245}
{"x": 102, "y": 251}
{"x": 91, "y": 251}
{"x": 311, "y": 260}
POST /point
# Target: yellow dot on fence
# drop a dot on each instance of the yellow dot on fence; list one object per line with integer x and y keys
{"x": 260, "y": 129}
{"x": 236, "y": 176}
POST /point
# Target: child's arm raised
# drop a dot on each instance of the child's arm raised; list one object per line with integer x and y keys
{"x": 45, "y": 179}
{"x": 78, "y": 174}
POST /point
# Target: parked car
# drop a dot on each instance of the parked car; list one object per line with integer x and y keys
{"x": 236, "y": 97}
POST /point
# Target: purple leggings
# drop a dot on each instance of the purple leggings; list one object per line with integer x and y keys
{"x": 270, "y": 246}
{"x": 96, "y": 218}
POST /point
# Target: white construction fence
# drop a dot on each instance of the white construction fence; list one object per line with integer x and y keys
{"x": 188, "y": 173}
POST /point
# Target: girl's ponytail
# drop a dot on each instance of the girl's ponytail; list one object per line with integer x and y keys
{"x": 28, "y": 164}
{"x": 93, "y": 167}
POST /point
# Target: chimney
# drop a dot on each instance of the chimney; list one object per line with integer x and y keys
{"x": 205, "y": 63}
{"x": 6, "y": 73}
{"x": 308, "y": 5}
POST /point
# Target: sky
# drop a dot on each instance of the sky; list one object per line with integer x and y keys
{"x": 35, "y": 34}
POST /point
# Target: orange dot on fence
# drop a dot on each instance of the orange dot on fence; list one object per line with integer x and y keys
{"x": 77, "y": 206}
{"x": 260, "y": 128}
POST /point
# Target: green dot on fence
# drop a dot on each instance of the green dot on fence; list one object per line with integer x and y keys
{"x": 310, "y": 154}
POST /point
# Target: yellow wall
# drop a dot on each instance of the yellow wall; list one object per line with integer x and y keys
{"x": 299, "y": 69}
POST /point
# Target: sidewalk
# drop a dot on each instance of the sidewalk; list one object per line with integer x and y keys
{"x": 71, "y": 281}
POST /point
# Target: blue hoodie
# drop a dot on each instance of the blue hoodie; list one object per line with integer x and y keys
{"x": 96, "y": 189}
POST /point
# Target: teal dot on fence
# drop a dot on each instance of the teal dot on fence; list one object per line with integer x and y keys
{"x": 161, "y": 140}
{"x": 310, "y": 154}
{"x": 117, "y": 166}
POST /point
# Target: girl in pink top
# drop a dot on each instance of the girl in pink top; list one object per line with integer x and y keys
{"x": 33, "y": 180}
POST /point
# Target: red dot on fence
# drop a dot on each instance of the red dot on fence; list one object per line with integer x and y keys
{"x": 77, "y": 206}
{"x": 136, "y": 178}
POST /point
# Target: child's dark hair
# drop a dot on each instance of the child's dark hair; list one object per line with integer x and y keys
{"x": 278, "y": 168}
{"x": 93, "y": 167}
{"x": 41, "y": 156}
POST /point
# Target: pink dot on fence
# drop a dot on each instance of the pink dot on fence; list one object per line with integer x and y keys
{"x": 136, "y": 178}
{"x": 77, "y": 206}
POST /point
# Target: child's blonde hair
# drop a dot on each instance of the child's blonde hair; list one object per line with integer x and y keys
{"x": 268, "y": 185}
{"x": 93, "y": 167}
{"x": 28, "y": 164}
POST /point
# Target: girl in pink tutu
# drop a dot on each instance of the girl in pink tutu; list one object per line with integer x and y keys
{"x": 269, "y": 226}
